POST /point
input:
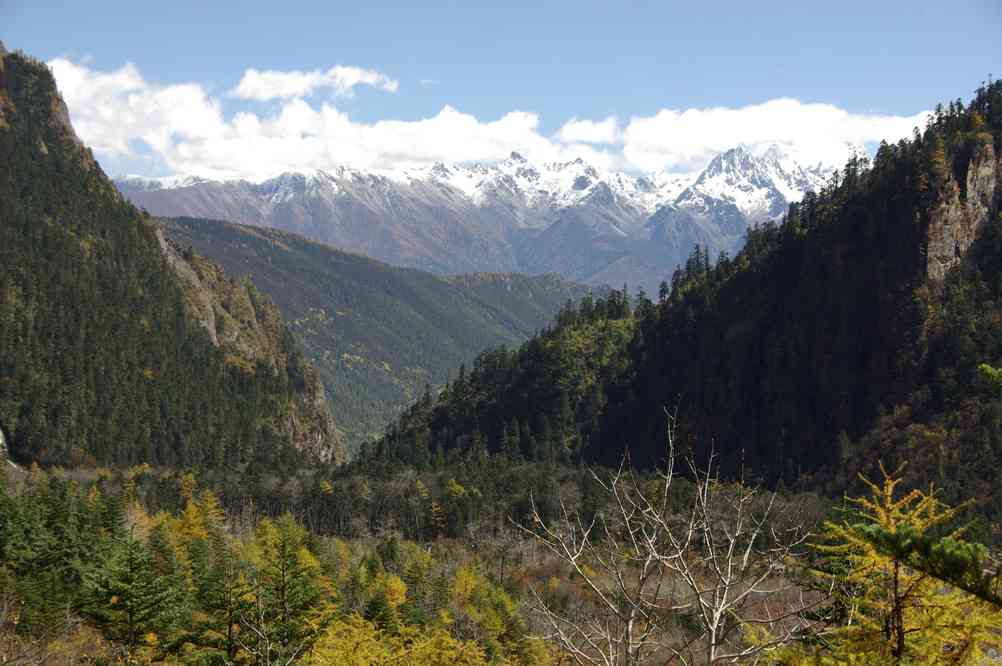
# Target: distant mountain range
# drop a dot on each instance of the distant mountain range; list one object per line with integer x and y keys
{"x": 571, "y": 218}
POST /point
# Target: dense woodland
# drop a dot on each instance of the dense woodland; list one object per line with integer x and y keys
{"x": 88, "y": 576}
{"x": 818, "y": 350}
{"x": 140, "y": 566}
{"x": 99, "y": 359}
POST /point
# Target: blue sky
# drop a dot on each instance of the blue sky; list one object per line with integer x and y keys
{"x": 557, "y": 62}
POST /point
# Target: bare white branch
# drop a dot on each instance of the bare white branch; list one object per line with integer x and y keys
{"x": 675, "y": 584}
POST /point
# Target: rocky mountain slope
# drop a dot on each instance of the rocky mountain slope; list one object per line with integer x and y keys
{"x": 584, "y": 223}
{"x": 378, "y": 334}
{"x": 247, "y": 327}
{"x": 116, "y": 349}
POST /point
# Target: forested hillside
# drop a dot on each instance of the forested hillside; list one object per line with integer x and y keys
{"x": 377, "y": 334}
{"x": 104, "y": 352}
{"x": 849, "y": 332}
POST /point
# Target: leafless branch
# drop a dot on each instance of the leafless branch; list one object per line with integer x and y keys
{"x": 682, "y": 584}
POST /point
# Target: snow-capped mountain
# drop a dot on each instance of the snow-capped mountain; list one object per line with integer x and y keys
{"x": 144, "y": 183}
{"x": 572, "y": 218}
{"x": 759, "y": 187}
{"x": 551, "y": 185}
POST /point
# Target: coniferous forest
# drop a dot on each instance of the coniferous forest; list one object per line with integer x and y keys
{"x": 100, "y": 360}
{"x": 710, "y": 474}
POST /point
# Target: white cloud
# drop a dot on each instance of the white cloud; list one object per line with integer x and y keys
{"x": 685, "y": 139}
{"x": 271, "y": 84}
{"x": 110, "y": 110}
{"x": 590, "y": 131}
{"x": 123, "y": 116}
{"x": 182, "y": 129}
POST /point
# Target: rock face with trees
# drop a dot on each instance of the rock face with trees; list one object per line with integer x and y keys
{"x": 967, "y": 198}
{"x": 376, "y": 333}
{"x": 103, "y": 357}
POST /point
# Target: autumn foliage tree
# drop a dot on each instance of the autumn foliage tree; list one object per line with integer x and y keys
{"x": 909, "y": 588}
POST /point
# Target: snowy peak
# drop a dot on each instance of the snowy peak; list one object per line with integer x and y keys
{"x": 760, "y": 181}
{"x": 291, "y": 185}
{"x": 147, "y": 184}
{"x": 577, "y": 219}
{"x": 544, "y": 186}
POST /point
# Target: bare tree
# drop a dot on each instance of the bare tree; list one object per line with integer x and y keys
{"x": 675, "y": 572}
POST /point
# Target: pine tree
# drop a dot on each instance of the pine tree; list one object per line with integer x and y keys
{"x": 291, "y": 601}
{"x": 129, "y": 600}
{"x": 221, "y": 589}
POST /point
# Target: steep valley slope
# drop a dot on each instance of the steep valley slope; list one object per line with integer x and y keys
{"x": 378, "y": 334}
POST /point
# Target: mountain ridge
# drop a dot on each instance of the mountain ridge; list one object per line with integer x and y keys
{"x": 587, "y": 224}
{"x": 848, "y": 335}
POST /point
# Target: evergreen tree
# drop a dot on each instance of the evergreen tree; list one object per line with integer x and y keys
{"x": 291, "y": 600}
{"x": 129, "y": 600}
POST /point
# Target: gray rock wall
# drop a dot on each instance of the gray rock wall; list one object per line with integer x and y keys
{"x": 954, "y": 223}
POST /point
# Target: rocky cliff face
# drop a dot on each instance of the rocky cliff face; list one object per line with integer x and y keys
{"x": 248, "y": 327}
{"x": 962, "y": 210}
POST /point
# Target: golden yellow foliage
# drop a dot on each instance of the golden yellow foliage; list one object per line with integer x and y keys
{"x": 454, "y": 489}
{"x": 490, "y": 608}
{"x": 213, "y": 516}
{"x": 357, "y": 642}
{"x": 351, "y": 642}
{"x": 84, "y": 644}
{"x": 393, "y": 588}
{"x": 94, "y": 498}
{"x": 895, "y": 613}
{"x": 187, "y": 485}
{"x": 191, "y": 524}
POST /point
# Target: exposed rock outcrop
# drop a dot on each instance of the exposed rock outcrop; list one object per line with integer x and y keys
{"x": 249, "y": 329}
{"x": 200, "y": 305}
{"x": 962, "y": 210}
